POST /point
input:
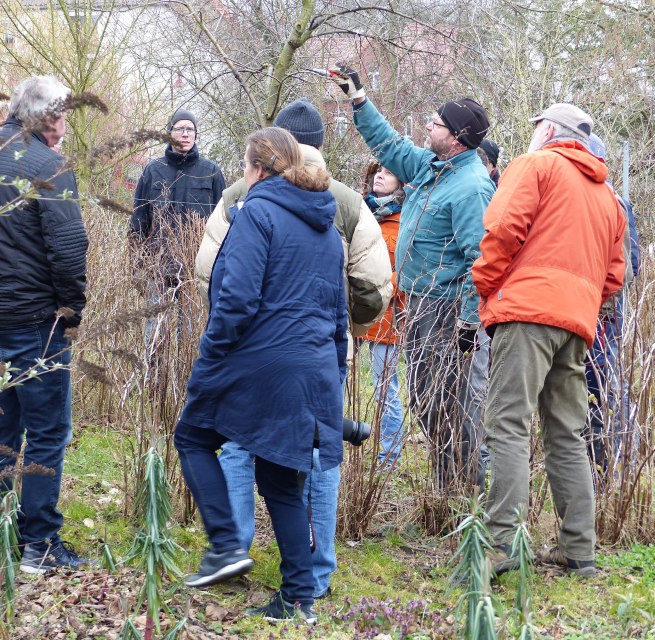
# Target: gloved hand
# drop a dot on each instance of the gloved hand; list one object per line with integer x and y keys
{"x": 68, "y": 318}
{"x": 467, "y": 338}
{"x": 348, "y": 79}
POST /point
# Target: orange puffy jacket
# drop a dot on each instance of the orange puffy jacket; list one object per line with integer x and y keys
{"x": 386, "y": 329}
{"x": 552, "y": 249}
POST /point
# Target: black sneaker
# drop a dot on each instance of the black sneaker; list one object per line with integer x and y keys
{"x": 40, "y": 558}
{"x": 218, "y": 567}
{"x": 278, "y": 610}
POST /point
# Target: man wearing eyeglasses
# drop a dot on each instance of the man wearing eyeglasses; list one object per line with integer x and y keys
{"x": 448, "y": 190}
{"x": 173, "y": 192}
{"x": 180, "y": 184}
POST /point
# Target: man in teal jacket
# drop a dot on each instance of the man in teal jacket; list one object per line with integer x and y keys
{"x": 448, "y": 190}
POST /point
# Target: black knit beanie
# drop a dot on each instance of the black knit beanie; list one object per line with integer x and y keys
{"x": 303, "y": 121}
{"x": 491, "y": 150}
{"x": 181, "y": 114}
{"x": 466, "y": 120}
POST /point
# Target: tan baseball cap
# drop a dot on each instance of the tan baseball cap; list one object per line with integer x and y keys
{"x": 569, "y": 116}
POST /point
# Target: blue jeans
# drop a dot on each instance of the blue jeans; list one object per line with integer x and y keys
{"x": 384, "y": 364}
{"x": 476, "y": 389}
{"x": 609, "y": 412}
{"x": 239, "y": 470}
{"x": 40, "y": 410}
{"x": 281, "y": 488}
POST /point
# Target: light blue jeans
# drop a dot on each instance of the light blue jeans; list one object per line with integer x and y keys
{"x": 239, "y": 471}
{"x": 476, "y": 391}
{"x": 384, "y": 365}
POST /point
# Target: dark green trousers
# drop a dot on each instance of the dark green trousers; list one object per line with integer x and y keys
{"x": 539, "y": 367}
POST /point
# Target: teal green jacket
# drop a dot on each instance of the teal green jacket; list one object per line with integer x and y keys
{"x": 441, "y": 220}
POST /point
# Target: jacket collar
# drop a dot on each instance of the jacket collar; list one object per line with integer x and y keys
{"x": 18, "y": 124}
{"x": 180, "y": 159}
{"x": 461, "y": 159}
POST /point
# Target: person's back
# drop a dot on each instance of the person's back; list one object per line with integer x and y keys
{"x": 557, "y": 278}
{"x": 290, "y": 338}
{"x": 366, "y": 266}
{"x": 551, "y": 254}
{"x": 32, "y": 288}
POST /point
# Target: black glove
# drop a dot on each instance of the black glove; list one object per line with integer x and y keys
{"x": 467, "y": 340}
{"x": 68, "y": 318}
{"x": 348, "y": 79}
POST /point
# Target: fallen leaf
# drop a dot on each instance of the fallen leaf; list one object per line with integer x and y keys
{"x": 216, "y": 612}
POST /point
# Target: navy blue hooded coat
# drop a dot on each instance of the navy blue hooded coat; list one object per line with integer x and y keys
{"x": 273, "y": 354}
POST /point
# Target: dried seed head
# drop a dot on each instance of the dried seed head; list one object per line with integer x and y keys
{"x": 43, "y": 185}
{"x": 93, "y": 371}
{"x": 115, "y": 206}
{"x": 38, "y": 470}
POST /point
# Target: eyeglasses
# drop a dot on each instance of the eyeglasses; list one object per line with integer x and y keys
{"x": 188, "y": 130}
{"x": 434, "y": 123}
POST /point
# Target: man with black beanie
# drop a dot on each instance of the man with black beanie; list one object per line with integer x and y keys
{"x": 448, "y": 190}
{"x": 173, "y": 191}
{"x": 489, "y": 152}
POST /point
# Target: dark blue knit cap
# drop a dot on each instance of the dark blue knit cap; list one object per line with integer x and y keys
{"x": 303, "y": 121}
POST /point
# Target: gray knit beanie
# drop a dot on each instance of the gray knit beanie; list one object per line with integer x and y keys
{"x": 303, "y": 121}
{"x": 181, "y": 114}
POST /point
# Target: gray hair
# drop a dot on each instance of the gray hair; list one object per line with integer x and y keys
{"x": 564, "y": 133}
{"x": 34, "y": 97}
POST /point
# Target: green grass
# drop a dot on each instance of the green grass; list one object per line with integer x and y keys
{"x": 399, "y": 566}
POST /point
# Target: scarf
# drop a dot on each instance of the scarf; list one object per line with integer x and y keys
{"x": 383, "y": 206}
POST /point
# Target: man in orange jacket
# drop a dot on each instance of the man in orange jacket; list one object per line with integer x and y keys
{"x": 551, "y": 254}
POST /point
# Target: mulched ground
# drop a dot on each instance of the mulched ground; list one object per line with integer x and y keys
{"x": 95, "y": 604}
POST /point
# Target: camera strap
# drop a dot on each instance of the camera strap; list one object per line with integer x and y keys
{"x": 312, "y": 537}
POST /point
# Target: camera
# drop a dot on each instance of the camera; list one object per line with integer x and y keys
{"x": 355, "y": 431}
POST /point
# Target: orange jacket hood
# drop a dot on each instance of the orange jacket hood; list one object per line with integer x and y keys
{"x": 584, "y": 161}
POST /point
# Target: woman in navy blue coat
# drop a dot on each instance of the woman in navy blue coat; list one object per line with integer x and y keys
{"x": 271, "y": 363}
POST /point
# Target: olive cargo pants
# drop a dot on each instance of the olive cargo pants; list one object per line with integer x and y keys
{"x": 539, "y": 367}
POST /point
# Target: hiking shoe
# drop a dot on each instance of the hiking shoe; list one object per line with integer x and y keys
{"x": 218, "y": 567}
{"x": 582, "y": 568}
{"x": 501, "y": 562}
{"x": 278, "y": 610}
{"x": 40, "y": 558}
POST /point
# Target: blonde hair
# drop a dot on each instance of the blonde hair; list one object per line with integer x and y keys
{"x": 276, "y": 151}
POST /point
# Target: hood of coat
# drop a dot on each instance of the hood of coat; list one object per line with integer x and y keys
{"x": 581, "y": 157}
{"x": 315, "y": 208}
{"x": 312, "y": 156}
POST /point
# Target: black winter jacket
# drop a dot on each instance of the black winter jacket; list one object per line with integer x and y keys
{"x": 174, "y": 187}
{"x": 42, "y": 241}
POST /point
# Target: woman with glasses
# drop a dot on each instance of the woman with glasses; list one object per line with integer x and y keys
{"x": 271, "y": 363}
